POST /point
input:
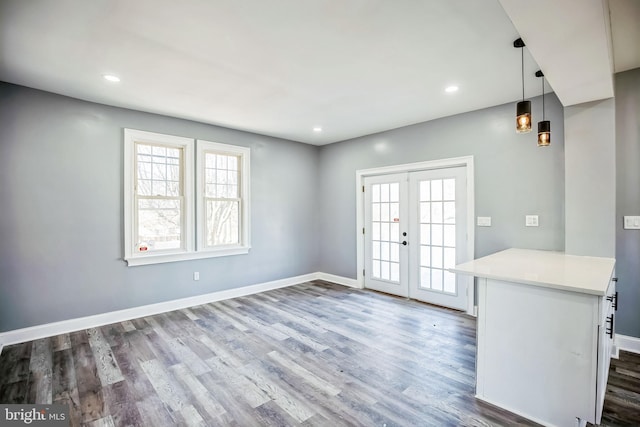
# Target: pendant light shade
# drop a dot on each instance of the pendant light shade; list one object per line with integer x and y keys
{"x": 544, "y": 133}
{"x": 523, "y": 108}
{"x": 523, "y": 117}
{"x": 544, "y": 127}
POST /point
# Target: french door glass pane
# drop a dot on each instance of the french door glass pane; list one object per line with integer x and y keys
{"x": 385, "y": 231}
{"x": 437, "y": 234}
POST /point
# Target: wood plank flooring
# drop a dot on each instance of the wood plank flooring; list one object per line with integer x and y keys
{"x": 316, "y": 354}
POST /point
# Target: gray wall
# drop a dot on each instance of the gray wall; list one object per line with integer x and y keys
{"x": 590, "y": 176}
{"x": 61, "y": 211}
{"x": 628, "y": 200}
{"x": 513, "y": 178}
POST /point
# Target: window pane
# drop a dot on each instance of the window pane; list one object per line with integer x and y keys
{"x": 436, "y": 257}
{"x": 449, "y": 257}
{"x": 425, "y": 191}
{"x": 449, "y": 214}
{"x": 425, "y": 212}
{"x": 232, "y": 177}
{"x": 144, "y": 187}
{"x": 436, "y": 235}
{"x": 394, "y": 188}
{"x": 375, "y": 231}
{"x": 223, "y": 220}
{"x": 425, "y": 234}
{"x": 159, "y": 151}
{"x": 384, "y": 192}
{"x": 395, "y": 212}
{"x": 384, "y": 270}
{"x": 159, "y": 225}
{"x": 375, "y": 250}
{"x": 384, "y": 251}
{"x": 173, "y": 189}
{"x": 144, "y": 170}
{"x": 232, "y": 191}
{"x": 436, "y": 279}
{"x": 375, "y": 193}
{"x": 384, "y": 231}
{"x": 425, "y": 256}
{"x": 376, "y": 269}
{"x": 158, "y": 175}
{"x": 375, "y": 211}
{"x": 221, "y": 177}
{"x": 395, "y": 232}
{"x": 436, "y": 212}
{"x": 425, "y": 278}
{"x": 449, "y": 189}
{"x": 449, "y": 282}
{"x": 222, "y": 162}
{"x": 173, "y": 172}
{"x": 158, "y": 188}
{"x": 384, "y": 211}
{"x": 143, "y": 149}
{"x": 232, "y": 163}
{"x": 436, "y": 189}
{"x": 395, "y": 272}
{"x": 449, "y": 235}
{"x": 395, "y": 252}
{"x": 210, "y": 160}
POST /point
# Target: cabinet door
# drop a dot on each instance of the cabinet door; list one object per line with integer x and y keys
{"x": 606, "y": 330}
{"x": 537, "y": 350}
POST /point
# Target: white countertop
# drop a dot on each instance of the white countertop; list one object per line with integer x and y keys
{"x": 590, "y": 275}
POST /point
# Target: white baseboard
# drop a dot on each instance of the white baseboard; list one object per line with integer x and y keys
{"x": 344, "y": 281}
{"x": 627, "y": 343}
{"x": 63, "y": 327}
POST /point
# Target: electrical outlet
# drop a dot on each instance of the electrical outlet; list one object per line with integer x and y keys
{"x": 196, "y": 275}
{"x": 531, "y": 220}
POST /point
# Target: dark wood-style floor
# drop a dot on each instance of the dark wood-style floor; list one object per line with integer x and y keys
{"x": 315, "y": 354}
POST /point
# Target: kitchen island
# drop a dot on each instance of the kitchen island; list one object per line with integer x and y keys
{"x": 545, "y": 333}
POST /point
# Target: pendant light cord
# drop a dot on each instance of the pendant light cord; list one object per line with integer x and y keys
{"x": 542, "y": 97}
{"x": 522, "y": 70}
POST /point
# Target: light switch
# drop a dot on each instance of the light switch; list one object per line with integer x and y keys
{"x": 531, "y": 220}
{"x": 632, "y": 222}
{"x": 484, "y": 221}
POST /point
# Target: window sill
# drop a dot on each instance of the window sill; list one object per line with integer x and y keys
{"x": 185, "y": 256}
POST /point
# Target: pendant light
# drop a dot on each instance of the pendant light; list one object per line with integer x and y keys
{"x": 523, "y": 108}
{"x": 544, "y": 127}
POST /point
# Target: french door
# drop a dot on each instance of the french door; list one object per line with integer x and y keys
{"x": 415, "y": 229}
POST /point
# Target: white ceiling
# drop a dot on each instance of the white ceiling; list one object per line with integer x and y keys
{"x": 353, "y": 67}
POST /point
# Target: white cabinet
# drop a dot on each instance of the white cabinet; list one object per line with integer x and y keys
{"x": 543, "y": 347}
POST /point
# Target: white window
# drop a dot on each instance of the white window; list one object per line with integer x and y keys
{"x": 170, "y": 218}
{"x": 223, "y": 198}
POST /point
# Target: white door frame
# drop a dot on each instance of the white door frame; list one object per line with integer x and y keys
{"x": 466, "y": 161}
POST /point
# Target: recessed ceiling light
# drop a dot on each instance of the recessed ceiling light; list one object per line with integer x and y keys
{"x": 111, "y": 78}
{"x": 451, "y": 89}
{"x": 317, "y": 129}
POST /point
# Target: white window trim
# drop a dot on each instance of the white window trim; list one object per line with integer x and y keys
{"x": 193, "y": 170}
{"x": 245, "y": 196}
